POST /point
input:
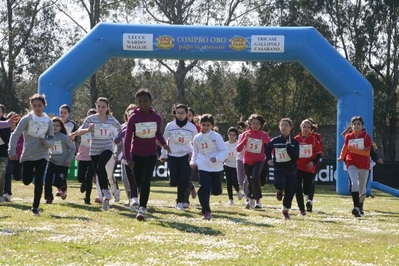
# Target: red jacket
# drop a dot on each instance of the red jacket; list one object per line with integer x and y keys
{"x": 254, "y": 146}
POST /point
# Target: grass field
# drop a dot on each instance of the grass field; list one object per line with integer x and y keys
{"x": 71, "y": 233}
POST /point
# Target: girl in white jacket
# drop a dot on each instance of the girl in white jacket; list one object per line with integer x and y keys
{"x": 209, "y": 153}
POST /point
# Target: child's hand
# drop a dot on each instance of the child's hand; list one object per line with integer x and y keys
{"x": 247, "y": 136}
{"x": 213, "y": 159}
{"x": 13, "y": 157}
{"x": 288, "y": 141}
{"x": 42, "y": 140}
{"x": 67, "y": 163}
{"x": 309, "y": 166}
{"x": 340, "y": 159}
{"x": 193, "y": 165}
{"x": 270, "y": 162}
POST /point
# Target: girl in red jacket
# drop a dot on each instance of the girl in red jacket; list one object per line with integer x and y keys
{"x": 356, "y": 153}
{"x": 309, "y": 156}
{"x": 254, "y": 141}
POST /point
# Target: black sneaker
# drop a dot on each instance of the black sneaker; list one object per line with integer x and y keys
{"x": 35, "y": 211}
{"x": 87, "y": 201}
{"x": 49, "y": 200}
{"x": 279, "y": 195}
{"x": 309, "y": 206}
{"x": 83, "y": 188}
{"x": 356, "y": 212}
{"x": 286, "y": 215}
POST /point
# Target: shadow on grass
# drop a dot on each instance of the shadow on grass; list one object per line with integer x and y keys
{"x": 92, "y": 207}
{"x": 22, "y": 207}
{"x": 70, "y": 217}
{"x": 189, "y": 228}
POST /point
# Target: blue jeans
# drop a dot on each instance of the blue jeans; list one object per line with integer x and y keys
{"x": 209, "y": 182}
{"x": 285, "y": 181}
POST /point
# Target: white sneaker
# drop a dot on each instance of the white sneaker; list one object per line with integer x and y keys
{"x": 141, "y": 214}
{"x": 186, "y": 205}
{"x": 179, "y": 206}
{"x": 1, "y": 199}
{"x": 252, "y": 203}
{"x": 258, "y": 204}
{"x": 230, "y": 202}
{"x": 105, "y": 204}
{"x": 117, "y": 195}
{"x": 107, "y": 194}
{"x": 134, "y": 204}
{"x": 239, "y": 195}
{"x": 7, "y": 197}
{"x": 246, "y": 204}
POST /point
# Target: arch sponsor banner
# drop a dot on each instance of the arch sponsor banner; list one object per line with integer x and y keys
{"x": 204, "y": 43}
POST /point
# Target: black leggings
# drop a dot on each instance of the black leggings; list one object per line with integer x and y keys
{"x": 143, "y": 168}
{"x": 99, "y": 162}
{"x": 231, "y": 180}
{"x": 31, "y": 169}
{"x": 85, "y": 175}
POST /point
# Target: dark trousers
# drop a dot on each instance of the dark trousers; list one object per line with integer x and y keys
{"x": 14, "y": 168}
{"x": 85, "y": 175}
{"x": 60, "y": 172}
{"x": 253, "y": 173}
{"x": 209, "y": 183}
{"x": 231, "y": 180}
{"x": 179, "y": 170}
{"x": 99, "y": 162}
{"x": 31, "y": 169}
{"x": 143, "y": 169}
{"x": 305, "y": 185}
{"x": 285, "y": 181}
{"x": 189, "y": 185}
{"x": 132, "y": 181}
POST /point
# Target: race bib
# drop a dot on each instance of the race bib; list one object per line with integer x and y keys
{"x": 37, "y": 129}
{"x": 181, "y": 138}
{"x": 57, "y": 148}
{"x": 254, "y": 145}
{"x": 85, "y": 140}
{"x": 357, "y": 143}
{"x": 232, "y": 154}
{"x": 305, "y": 151}
{"x": 146, "y": 130}
{"x": 282, "y": 155}
{"x": 205, "y": 145}
{"x": 102, "y": 131}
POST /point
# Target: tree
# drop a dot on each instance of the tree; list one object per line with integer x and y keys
{"x": 367, "y": 32}
{"x": 96, "y": 11}
{"x": 193, "y": 12}
{"x": 27, "y": 41}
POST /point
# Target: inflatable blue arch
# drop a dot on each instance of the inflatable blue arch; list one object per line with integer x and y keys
{"x": 304, "y": 45}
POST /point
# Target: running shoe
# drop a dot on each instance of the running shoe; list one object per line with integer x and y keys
{"x": 279, "y": 195}
{"x": 207, "y": 216}
{"x": 141, "y": 214}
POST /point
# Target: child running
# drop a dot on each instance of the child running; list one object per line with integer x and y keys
{"x": 230, "y": 169}
{"x": 127, "y": 174}
{"x": 309, "y": 156}
{"x": 209, "y": 153}
{"x": 356, "y": 153}
{"x": 242, "y": 178}
{"x": 61, "y": 156}
{"x": 4, "y": 139}
{"x": 254, "y": 141}
{"x": 140, "y": 150}
{"x": 14, "y": 167}
{"x": 285, "y": 151}
{"x": 85, "y": 166}
{"x": 38, "y": 132}
{"x": 179, "y": 134}
{"x": 100, "y": 125}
